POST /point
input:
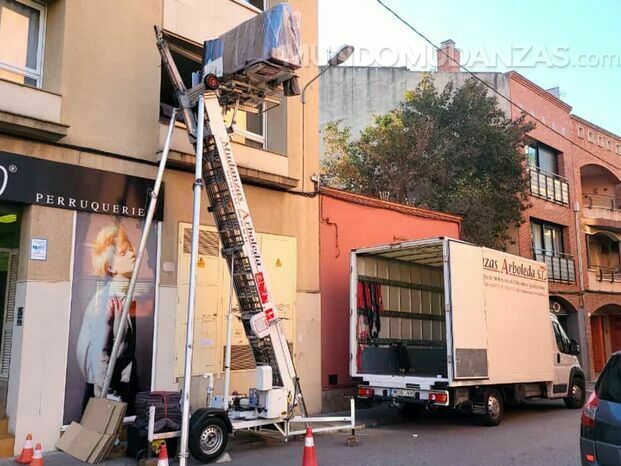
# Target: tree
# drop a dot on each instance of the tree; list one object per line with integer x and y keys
{"x": 451, "y": 150}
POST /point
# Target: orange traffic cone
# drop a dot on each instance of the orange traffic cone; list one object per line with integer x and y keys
{"x": 163, "y": 458}
{"x": 37, "y": 458}
{"x": 310, "y": 458}
{"x": 27, "y": 452}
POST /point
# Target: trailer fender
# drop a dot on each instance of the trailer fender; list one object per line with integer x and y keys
{"x": 200, "y": 414}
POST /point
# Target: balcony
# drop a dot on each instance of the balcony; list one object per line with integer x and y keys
{"x": 604, "y": 279}
{"x": 548, "y": 186}
{"x": 255, "y": 165}
{"x": 561, "y": 267}
{"x": 601, "y": 206}
{"x": 31, "y": 112}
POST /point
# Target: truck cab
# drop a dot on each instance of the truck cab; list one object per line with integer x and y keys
{"x": 568, "y": 375}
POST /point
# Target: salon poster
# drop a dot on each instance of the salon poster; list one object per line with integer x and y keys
{"x": 105, "y": 253}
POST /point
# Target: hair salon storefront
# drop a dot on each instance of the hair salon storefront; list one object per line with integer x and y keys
{"x": 68, "y": 235}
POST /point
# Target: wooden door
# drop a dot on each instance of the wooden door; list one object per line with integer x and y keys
{"x": 615, "y": 333}
{"x": 599, "y": 352}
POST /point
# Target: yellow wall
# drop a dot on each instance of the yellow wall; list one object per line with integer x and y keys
{"x": 101, "y": 59}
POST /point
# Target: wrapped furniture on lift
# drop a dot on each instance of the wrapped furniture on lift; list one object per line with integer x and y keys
{"x": 265, "y": 49}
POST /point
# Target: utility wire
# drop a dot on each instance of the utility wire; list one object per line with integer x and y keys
{"x": 486, "y": 84}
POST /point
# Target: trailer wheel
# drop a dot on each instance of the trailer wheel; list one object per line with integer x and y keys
{"x": 494, "y": 407}
{"x": 577, "y": 392}
{"x": 209, "y": 439}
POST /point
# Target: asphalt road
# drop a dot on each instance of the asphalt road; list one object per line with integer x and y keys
{"x": 541, "y": 433}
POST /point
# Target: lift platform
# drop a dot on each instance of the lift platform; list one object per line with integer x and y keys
{"x": 277, "y": 399}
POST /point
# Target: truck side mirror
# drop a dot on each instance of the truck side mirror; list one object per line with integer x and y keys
{"x": 574, "y": 348}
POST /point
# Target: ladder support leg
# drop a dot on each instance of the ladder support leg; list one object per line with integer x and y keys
{"x": 148, "y": 221}
{"x": 189, "y": 336}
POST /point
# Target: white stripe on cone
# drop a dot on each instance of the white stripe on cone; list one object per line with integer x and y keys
{"x": 309, "y": 442}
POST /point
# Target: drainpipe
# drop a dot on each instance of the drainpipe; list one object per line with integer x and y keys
{"x": 584, "y": 354}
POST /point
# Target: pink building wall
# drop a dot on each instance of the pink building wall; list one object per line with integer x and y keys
{"x": 350, "y": 221}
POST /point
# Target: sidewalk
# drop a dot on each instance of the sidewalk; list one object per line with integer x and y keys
{"x": 243, "y": 442}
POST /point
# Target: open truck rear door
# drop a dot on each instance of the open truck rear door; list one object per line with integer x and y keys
{"x": 467, "y": 326}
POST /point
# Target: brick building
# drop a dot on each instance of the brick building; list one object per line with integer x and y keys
{"x": 574, "y": 224}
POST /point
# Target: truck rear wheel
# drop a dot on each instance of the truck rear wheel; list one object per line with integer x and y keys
{"x": 494, "y": 407}
{"x": 577, "y": 392}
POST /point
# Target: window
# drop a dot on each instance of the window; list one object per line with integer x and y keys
{"x": 545, "y": 181}
{"x": 603, "y": 253}
{"x": 600, "y": 141}
{"x": 581, "y": 132}
{"x": 548, "y": 247}
{"x": 609, "y": 145}
{"x": 547, "y": 237}
{"x": 591, "y": 136}
{"x": 259, "y": 4}
{"x": 267, "y": 130}
{"x": 619, "y": 149}
{"x": 542, "y": 157}
{"x": 22, "y": 25}
{"x": 250, "y": 128}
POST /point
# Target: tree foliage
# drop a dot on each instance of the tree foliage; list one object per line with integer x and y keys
{"x": 452, "y": 150}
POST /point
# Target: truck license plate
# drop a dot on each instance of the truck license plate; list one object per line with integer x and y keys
{"x": 403, "y": 392}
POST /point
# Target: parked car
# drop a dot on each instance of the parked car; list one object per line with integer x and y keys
{"x": 600, "y": 431}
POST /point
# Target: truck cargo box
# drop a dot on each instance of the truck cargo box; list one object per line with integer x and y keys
{"x": 442, "y": 311}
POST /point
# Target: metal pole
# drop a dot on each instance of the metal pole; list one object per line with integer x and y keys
{"x": 120, "y": 333}
{"x": 189, "y": 334}
{"x": 229, "y": 337}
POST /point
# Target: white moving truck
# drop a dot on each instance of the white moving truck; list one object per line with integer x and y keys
{"x": 441, "y": 322}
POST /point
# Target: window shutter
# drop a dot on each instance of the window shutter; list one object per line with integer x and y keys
{"x": 9, "y": 317}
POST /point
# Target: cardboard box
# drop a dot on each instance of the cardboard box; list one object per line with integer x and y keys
{"x": 93, "y": 437}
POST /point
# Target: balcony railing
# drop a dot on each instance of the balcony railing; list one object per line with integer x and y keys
{"x": 561, "y": 267}
{"x": 601, "y": 201}
{"x": 549, "y": 186}
{"x": 606, "y": 273}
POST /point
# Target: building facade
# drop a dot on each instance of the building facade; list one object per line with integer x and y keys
{"x": 597, "y": 175}
{"x": 84, "y": 109}
{"x": 350, "y": 221}
{"x": 573, "y": 168}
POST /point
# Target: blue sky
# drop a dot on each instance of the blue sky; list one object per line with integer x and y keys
{"x": 572, "y": 44}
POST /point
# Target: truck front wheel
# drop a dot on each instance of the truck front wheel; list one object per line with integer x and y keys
{"x": 494, "y": 407}
{"x": 577, "y": 392}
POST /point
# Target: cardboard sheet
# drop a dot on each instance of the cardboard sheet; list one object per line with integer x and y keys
{"x": 92, "y": 438}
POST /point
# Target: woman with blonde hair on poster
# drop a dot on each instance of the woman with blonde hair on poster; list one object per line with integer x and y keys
{"x": 113, "y": 259}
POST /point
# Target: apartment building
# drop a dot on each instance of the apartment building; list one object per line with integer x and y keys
{"x": 597, "y": 175}
{"x": 84, "y": 109}
{"x": 573, "y": 167}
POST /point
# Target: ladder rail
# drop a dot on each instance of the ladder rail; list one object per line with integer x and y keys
{"x": 237, "y": 209}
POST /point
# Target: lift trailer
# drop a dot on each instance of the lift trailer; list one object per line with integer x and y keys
{"x": 277, "y": 399}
